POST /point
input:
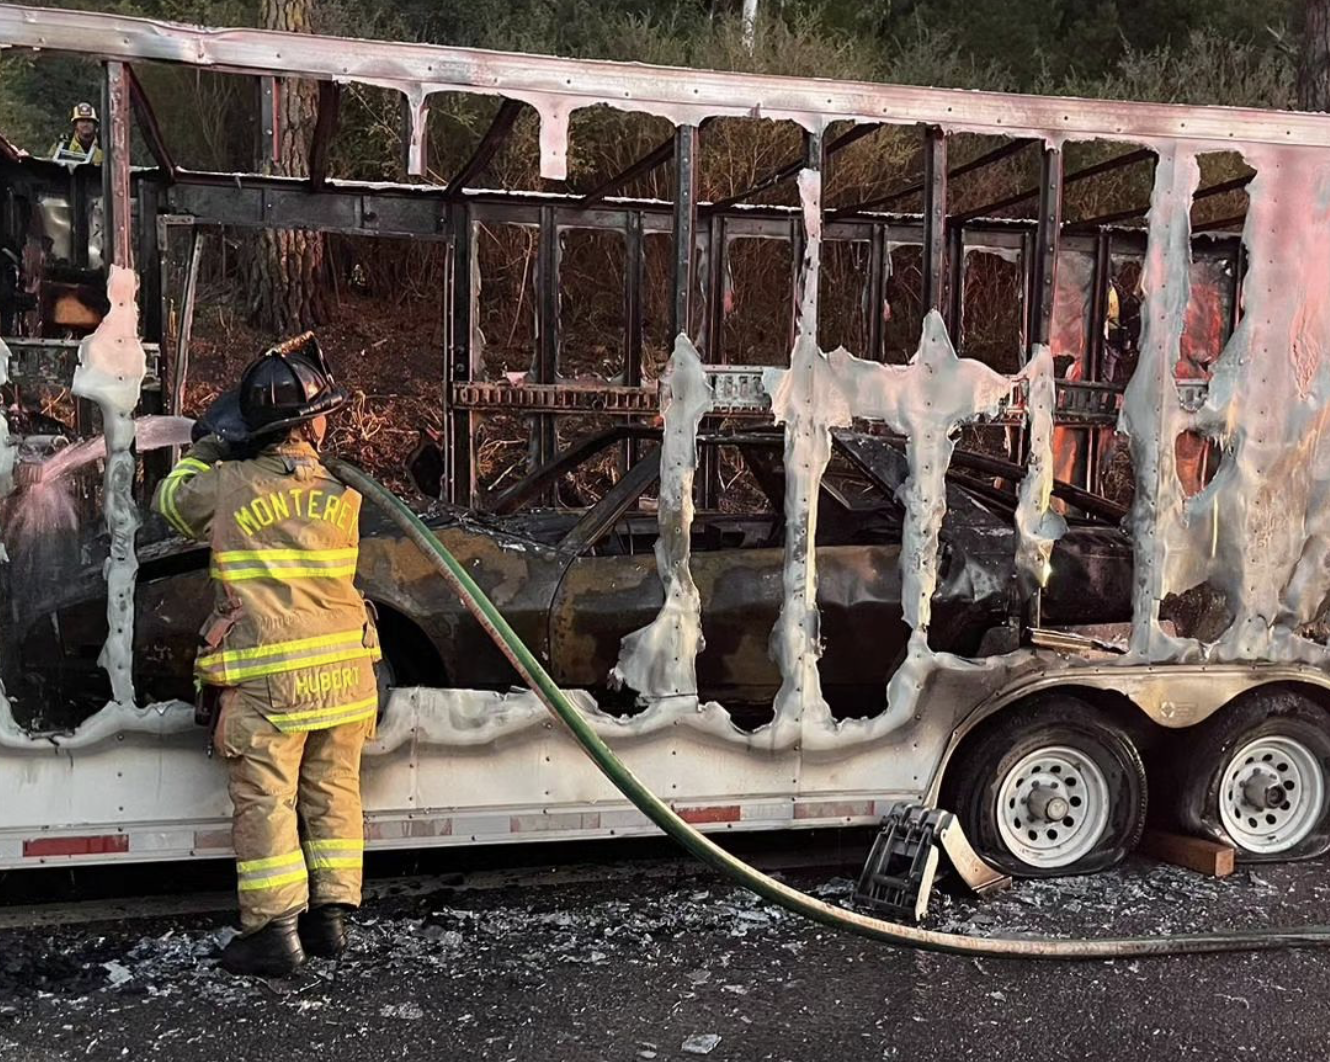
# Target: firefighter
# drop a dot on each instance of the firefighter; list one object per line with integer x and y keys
{"x": 287, "y": 655}
{"x": 81, "y": 144}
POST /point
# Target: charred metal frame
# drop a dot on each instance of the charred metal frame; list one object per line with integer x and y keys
{"x": 935, "y": 216}
{"x": 1233, "y": 185}
{"x": 458, "y": 363}
{"x": 210, "y": 201}
{"x": 115, "y": 170}
{"x": 684, "y": 229}
{"x": 547, "y": 326}
{"x": 490, "y": 143}
{"x": 1107, "y": 166}
{"x": 1005, "y": 151}
{"x": 1047, "y": 236}
{"x": 452, "y": 211}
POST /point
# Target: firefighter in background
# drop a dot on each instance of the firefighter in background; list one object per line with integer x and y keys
{"x": 81, "y": 144}
{"x": 287, "y": 655}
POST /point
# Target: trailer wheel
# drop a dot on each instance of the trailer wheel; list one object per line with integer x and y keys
{"x": 1257, "y": 776}
{"x": 1053, "y": 789}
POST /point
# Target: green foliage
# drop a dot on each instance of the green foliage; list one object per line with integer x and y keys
{"x": 1209, "y": 68}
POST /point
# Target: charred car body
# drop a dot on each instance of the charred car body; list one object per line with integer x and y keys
{"x": 573, "y": 583}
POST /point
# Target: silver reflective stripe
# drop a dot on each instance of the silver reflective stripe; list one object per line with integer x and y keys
{"x": 272, "y": 872}
{"x": 340, "y": 853}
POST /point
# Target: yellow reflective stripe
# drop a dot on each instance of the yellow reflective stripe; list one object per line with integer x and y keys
{"x": 186, "y": 468}
{"x": 337, "y": 844}
{"x": 281, "y": 575}
{"x": 231, "y": 555}
{"x": 323, "y": 713}
{"x": 290, "y": 859}
{"x": 345, "y": 854}
{"x": 258, "y": 652}
{"x": 232, "y": 675}
{"x": 327, "y": 724}
{"x": 169, "y": 510}
{"x": 273, "y": 883}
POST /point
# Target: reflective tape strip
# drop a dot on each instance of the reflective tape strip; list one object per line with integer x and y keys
{"x": 279, "y": 657}
{"x": 325, "y": 718}
{"x": 186, "y": 468}
{"x": 271, "y": 872}
{"x": 314, "y": 713}
{"x": 284, "y": 565}
{"x": 248, "y": 885}
{"x": 250, "y": 865}
{"x": 280, "y": 574}
{"x": 335, "y": 844}
{"x": 327, "y": 724}
{"x": 297, "y": 645}
{"x": 231, "y": 675}
{"x": 341, "y": 854}
{"x": 169, "y": 509}
{"x": 229, "y": 556}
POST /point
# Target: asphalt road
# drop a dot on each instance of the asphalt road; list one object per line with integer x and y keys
{"x": 638, "y": 964}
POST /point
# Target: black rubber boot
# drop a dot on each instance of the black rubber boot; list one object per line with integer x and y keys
{"x": 323, "y": 930}
{"x": 274, "y": 951}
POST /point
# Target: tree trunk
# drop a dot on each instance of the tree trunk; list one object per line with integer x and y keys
{"x": 1314, "y": 61}
{"x": 288, "y": 276}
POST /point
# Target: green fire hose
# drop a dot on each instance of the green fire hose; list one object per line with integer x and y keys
{"x": 770, "y": 889}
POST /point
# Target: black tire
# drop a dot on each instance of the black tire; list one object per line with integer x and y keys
{"x": 976, "y": 774}
{"x": 1202, "y": 757}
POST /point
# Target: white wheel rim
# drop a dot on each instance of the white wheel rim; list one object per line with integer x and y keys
{"x": 1249, "y": 807}
{"x": 1029, "y": 793}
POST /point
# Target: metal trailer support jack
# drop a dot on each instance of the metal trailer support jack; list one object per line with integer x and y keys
{"x": 897, "y": 878}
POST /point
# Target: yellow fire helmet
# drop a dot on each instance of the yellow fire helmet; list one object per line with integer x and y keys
{"x": 84, "y": 112}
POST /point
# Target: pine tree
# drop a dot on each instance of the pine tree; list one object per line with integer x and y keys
{"x": 287, "y": 278}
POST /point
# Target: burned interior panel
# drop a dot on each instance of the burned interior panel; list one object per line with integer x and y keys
{"x": 967, "y": 536}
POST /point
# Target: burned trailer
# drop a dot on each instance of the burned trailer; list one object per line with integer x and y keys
{"x": 1190, "y": 355}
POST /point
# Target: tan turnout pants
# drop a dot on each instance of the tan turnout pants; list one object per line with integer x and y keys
{"x": 298, "y": 829}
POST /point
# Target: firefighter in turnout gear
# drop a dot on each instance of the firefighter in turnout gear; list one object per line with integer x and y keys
{"x": 81, "y": 144}
{"x": 287, "y": 656}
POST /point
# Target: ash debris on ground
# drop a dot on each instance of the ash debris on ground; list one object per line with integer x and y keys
{"x": 635, "y": 965}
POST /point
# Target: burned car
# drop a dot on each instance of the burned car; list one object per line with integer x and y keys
{"x": 574, "y": 582}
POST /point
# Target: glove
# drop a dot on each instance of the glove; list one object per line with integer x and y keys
{"x": 224, "y": 419}
{"x": 211, "y": 449}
